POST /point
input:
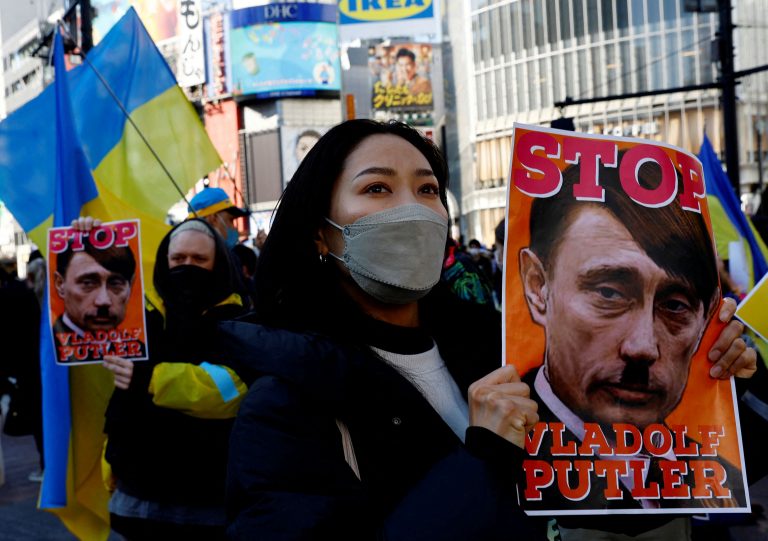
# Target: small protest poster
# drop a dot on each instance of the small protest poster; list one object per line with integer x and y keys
{"x": 610, "y": 295}
{"x": 95, "y": 293}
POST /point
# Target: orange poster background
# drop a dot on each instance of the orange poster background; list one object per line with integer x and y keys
{"x": 134, "y": 314}
{"x": 705, "y": 400}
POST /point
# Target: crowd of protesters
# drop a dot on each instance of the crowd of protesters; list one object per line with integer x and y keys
{"x": 343, "y": 384}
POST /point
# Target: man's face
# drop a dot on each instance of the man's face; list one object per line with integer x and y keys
{"x": 620, "y": 331}
{"x": 95, "y": 298}
{"x": 406, "y": 68}
{"x": 221, "y": 222}
{"x": 192, "y": 248}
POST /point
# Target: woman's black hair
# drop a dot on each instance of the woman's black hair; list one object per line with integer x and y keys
{"x": 294, "y": 289}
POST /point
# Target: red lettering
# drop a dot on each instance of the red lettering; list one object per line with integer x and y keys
{"x": 558, "y": 447}
{"x": 681, "y": 449}
{"x": 57, "y": 240}
{"x": 552, "y": 178}
{"x": 612, "y": 470}
{"x": 640, "y": 491}
{"x": 693, "y": 182}
{"x": 102, "y": 237}
{"x": 710, "y": 438}
{"x": 705, "y": 486}
{"x": 124, "y": 232}
{"x": 134, "y": 349}
{"x": 77, "y": 242}
{"x": 629, "y": 171}
{"x": 64, "y": 337}
{"x": 534, "y": 438}
{"x": 665, "y": 445}
{"x": 672, "y": 472}
{"x": 583, "y": 485}
{"x": 119, "y": 349}
{"x": 622, "y": 447}
{"x": 65, "y": 353}
{"x": 594, "y": 437}
{"x": 538, "y": 475}
{"x": 589, "y": 152}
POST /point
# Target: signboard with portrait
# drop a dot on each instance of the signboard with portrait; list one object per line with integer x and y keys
{"x": 96, "y": 300}
{"x": 295, "y": 143}
{"x": 284, "y": 50}
{"x": 401, "y": 76}
{"x": 611, "y": 296}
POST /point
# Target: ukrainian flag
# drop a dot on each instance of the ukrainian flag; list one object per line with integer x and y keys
{"x": 730, "y": 224}
{"x": 102, "y": 168}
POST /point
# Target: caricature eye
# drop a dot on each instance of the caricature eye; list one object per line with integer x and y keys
{"x": 675, "y": 306}
{"x": 609, "y": 293}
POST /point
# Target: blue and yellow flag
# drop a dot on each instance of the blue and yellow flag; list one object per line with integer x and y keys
{"x": 731, "y": 225}
{"x": 104, "y": 168}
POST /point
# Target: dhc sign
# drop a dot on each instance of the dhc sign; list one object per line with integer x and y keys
{"x": 370, "y": 11}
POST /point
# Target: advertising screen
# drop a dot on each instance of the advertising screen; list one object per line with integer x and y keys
{"x": 292, "y": 51}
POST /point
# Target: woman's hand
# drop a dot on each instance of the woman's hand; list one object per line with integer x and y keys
{"x": 730, "y": 353}
{"x": 85, "y": 223}
{"x": 500, "y": 402}
{"x": 121, "y": 368}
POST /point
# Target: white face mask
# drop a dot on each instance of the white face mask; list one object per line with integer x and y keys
{"x": 395, "y": 255}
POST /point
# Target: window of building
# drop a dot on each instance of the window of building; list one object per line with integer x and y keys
{"x": 565, "y": 22}
{"x": 551, "y": 13}
{"x": 593, "y": 19}
{"x": 622, "y": 17}
{"x": 509, "y": 88}
{"x": 507, "y": 35}
{"x": 654, "y": 15}
{"x": 597, "y": 72}
{"x": 534, "y": 88}
{"x": 638, "y": 13}
{"x": 626, "y": 67}
{"x": 578, "y": 21}
{"x": 526, "y": 23}
{"x": 539, "y": 26}
{"x": 641, "y": 65}
{"x": 655, "y": 68}
{"x": 612, "y": 70}
{"x": 671, "y": 57}
{"x": 607, "y": 16}
{"x": 545, "y": 83}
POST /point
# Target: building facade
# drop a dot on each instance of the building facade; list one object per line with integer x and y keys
{"x": 522, "y": 56}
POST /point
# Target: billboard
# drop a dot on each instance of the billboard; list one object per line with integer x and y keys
{"x": 284, "y": 50}
{"x": 401, "y": 77}
{"x": 363, "y": 19}
{"x": 176, "y": 27}
{"x": 295, "y": 143}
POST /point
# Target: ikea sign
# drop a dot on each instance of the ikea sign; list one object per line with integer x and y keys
{"x": 383, "y": 11}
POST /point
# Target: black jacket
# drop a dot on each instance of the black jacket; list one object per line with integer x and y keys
{"x": 288, "y": 478}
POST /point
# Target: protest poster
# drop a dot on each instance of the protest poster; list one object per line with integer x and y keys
{"x": 610, "y": 292}
{"x": 401, "y": 75}
{"x": 95, "y": 293}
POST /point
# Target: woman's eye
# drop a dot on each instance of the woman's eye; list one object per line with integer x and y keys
{"x": 433, "y": 189}
{"x": 376, "y": 188}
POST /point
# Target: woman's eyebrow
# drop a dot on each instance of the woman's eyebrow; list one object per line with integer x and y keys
{"x": 389, "y": 172}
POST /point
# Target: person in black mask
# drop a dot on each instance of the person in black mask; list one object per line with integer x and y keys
{"x": 169, "y": 419}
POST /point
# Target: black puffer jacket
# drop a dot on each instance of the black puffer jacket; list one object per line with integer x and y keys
{"x": 288, "y": 478}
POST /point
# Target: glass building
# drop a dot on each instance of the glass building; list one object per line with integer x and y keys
{"x": 522, "y": 56}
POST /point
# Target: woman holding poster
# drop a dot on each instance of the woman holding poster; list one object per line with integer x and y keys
{"x": 371, "y": 414}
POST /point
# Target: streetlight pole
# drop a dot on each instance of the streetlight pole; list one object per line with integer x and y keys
{"x": 728, "y": 80}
